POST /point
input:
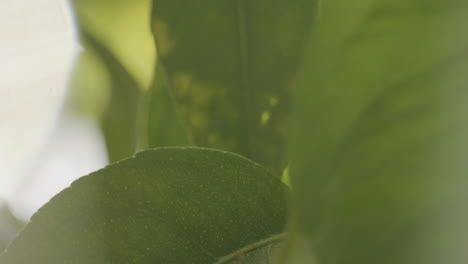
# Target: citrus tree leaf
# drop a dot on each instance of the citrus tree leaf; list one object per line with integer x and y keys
{"x": 169, "y": 205}
{"x": 381, "y": 133}
{"x": 118, "y": 33}
{"x": 230, "y": 66}
{"x": 165, "y": 128}
{"x": 121, "y": 119}
{"x": 90, "y": 84}
{"x": 123, "y": 27}
{"x": 298, "y": 251}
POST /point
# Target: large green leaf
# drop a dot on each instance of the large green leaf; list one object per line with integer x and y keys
{"x": 381, "y": 133}
{"x": 231, "y": 66}
{"x": 169, "y": 205}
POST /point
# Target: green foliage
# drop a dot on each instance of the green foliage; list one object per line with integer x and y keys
{"x": 89, "y": 85}
{"x": 171, "y": 205}
{"x": 380, "y": 136}
{"x": 230, "y": 66}
{"x": 128, "y": 56}
{"x": 164, "y": 127}
{"x": 376, "y": 91}
{"x": 120, "y": 119}
{"x": 122, "y": 27}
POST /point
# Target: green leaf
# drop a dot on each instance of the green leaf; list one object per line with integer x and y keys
{"x": 118, "y": 32}
{"x": 120, "y": 122}
{"x": 123, "y": 27}
{"x": 296, "y": 250}
{"x": 164, "y": 127}
{"x": 380, "y": 136}
{"x": 231, "y": 66}
{"x": 169, "y": 205}
{"x": 89, "y": 85}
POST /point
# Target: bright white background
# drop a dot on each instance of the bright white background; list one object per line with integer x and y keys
{"x": 43, "y": 147}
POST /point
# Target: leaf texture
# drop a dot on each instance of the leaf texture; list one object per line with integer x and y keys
{"x": 169, "y": 205}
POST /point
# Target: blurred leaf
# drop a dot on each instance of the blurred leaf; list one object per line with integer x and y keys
{"x": 380, "y": 138}
{"x": 119, "y": 33}
{"x": 230, "y": 66}
{"x": 169, "y": 205}
{"x": 123, "y": 27}
{"x": 120, "y": 122}
{"x": 285, "y": 178}
{"x": 296, "y": 250}
{"x": 164, "y": 127}
{"x": 90, "y": 84}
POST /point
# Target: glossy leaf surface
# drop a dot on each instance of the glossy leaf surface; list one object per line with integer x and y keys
{"x": 169, "y": 205}
{"x": 231, "y": 65}
{"x": 381, "y": 133}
